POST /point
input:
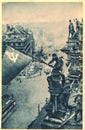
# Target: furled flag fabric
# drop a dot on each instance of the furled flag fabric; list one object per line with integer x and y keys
{"x": 12, "y": 63}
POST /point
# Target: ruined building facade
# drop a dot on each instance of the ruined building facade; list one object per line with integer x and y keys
{"x": 19, "y": 38}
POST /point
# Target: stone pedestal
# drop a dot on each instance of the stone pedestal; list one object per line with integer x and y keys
{"x": 55, "y": 88}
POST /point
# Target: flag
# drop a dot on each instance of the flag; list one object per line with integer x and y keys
{"x": 12, "y": 63}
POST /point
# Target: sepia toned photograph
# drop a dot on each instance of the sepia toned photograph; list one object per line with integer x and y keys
{"x": 42, "y": 65}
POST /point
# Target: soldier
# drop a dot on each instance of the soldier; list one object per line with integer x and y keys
{"x": 58, "y": 62}
{"x": 71, "y": 29}
{"x": 78, "y": 109}
{"x": 54, "y": 59}
{"x": 77, "y": 25}
{"x": 57, "y": 68}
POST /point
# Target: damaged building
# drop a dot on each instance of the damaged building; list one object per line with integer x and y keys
{"x": 19, "y": 38}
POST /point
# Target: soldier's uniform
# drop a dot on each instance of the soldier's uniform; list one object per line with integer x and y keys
{"x": 71, "y": 28}
{"x": 57, "y": 69}
{"x": 78, "y": 109}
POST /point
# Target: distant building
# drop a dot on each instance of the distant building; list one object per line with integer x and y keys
{"x": 19, "y": 38}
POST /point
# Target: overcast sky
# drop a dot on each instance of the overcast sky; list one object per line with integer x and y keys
{"x": 40, "y": 12}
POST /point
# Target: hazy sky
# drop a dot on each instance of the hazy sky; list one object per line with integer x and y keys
{"x": 40, "y": 12}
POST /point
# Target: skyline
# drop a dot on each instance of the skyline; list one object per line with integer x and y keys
{"x": 55, "y": 15}
{"x": 31, "y": 12}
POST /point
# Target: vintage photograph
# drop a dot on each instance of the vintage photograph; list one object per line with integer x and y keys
{"x": 42, "y": 65}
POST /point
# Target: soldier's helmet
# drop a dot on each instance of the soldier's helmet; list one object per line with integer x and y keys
{"x": 54, "y": 55}
{"x": 69, "y": 20}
